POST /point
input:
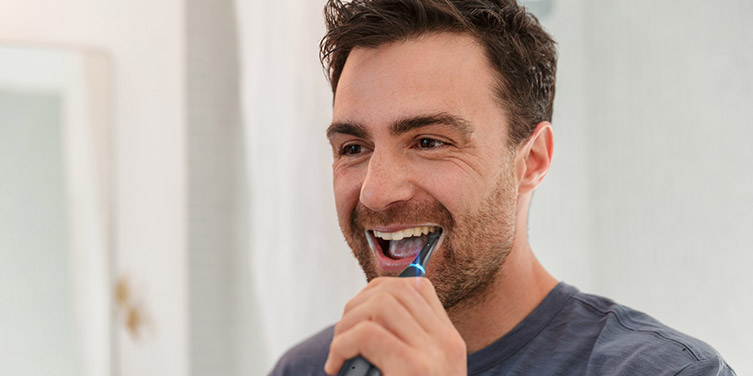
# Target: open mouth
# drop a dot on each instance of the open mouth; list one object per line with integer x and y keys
{"x": 401, "y": 244}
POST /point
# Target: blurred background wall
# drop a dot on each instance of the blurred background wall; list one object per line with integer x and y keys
{"x": 146, "y": 45}
{"x": 223, "y": 224}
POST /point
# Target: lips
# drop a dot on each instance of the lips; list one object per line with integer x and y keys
{"x": 395, "y": 248}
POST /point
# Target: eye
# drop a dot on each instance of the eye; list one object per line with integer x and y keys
{"x": 429, "y": 143}
{"x": 351, "y": 149}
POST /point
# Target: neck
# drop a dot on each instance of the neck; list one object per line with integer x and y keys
{"x": 519, "y": 287}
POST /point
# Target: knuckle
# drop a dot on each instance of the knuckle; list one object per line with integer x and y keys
{"x": 356, "y": 334}
{"x": 339, "y": 326}
{"x": 352, "y": 304}
{"x": 348, "y": 306}
{"x": 365, "y": 330}
{"x": 367, "y": 327}
{"x": 457, "y": 346}
{"x": 419, "y": 366}
{"x": 336, "y": 345}
{"x": 383, "y": 299}
{"x": 424, "y": 285}
{"x": 378, "y": 281}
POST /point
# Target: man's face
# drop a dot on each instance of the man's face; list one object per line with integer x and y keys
{"x": 420, "y": 144}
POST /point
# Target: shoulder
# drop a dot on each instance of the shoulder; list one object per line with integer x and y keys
{"x": 633, "y": 342}
{"x": 307, "y": 357}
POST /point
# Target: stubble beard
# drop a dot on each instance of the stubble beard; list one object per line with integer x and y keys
{"x": 475, "y": 246}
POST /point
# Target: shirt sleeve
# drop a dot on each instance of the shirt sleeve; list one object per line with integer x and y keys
{"x": 306, "y": 358}
{"x": 708, "y": 367}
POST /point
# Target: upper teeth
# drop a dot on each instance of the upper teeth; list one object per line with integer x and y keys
{"x": 408, "y": 232}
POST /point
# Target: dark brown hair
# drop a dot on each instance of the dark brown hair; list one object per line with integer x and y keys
{"x": 520, "y": 50}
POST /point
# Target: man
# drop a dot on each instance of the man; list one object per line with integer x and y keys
{"x": 441, "y": 123}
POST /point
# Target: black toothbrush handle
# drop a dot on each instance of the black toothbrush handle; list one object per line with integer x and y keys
{"x": 359, "y": 366}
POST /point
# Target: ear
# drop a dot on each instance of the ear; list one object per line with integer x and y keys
{"x": 535, "y": 157}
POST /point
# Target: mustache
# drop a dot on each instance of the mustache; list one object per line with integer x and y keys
{"x": 402, "y": 212}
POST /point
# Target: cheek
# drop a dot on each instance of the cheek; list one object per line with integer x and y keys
{"x": 347, "y": 190}
{"x": 456, "y": 190}
{"x": 454, "y": 196}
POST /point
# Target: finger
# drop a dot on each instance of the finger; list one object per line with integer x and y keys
{"x": 386, "y": 310}
{"x": 418, "y": 295}
{"x": 365, "y": 293}
{"x": 426, "y": 289}
{"x": 368, "y": 339}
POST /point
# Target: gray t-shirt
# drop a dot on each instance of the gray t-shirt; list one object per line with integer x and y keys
{"x": 569, "y": 333}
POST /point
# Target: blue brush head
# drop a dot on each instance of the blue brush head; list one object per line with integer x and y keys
{"x": 417, "y": 268}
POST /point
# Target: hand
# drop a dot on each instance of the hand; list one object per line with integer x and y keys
{"x": 400, "y": 326}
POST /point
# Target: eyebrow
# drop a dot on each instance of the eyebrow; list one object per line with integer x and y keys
{"x": 352, "y": 128}
{"x": 403, "y": 126}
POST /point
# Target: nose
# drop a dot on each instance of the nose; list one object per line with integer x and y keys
{"x": 387, "y": 181}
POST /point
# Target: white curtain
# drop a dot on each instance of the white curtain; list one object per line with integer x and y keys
{"x": 302, "y": 272}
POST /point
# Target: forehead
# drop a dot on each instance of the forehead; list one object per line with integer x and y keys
{"x": 434, "y": 73}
